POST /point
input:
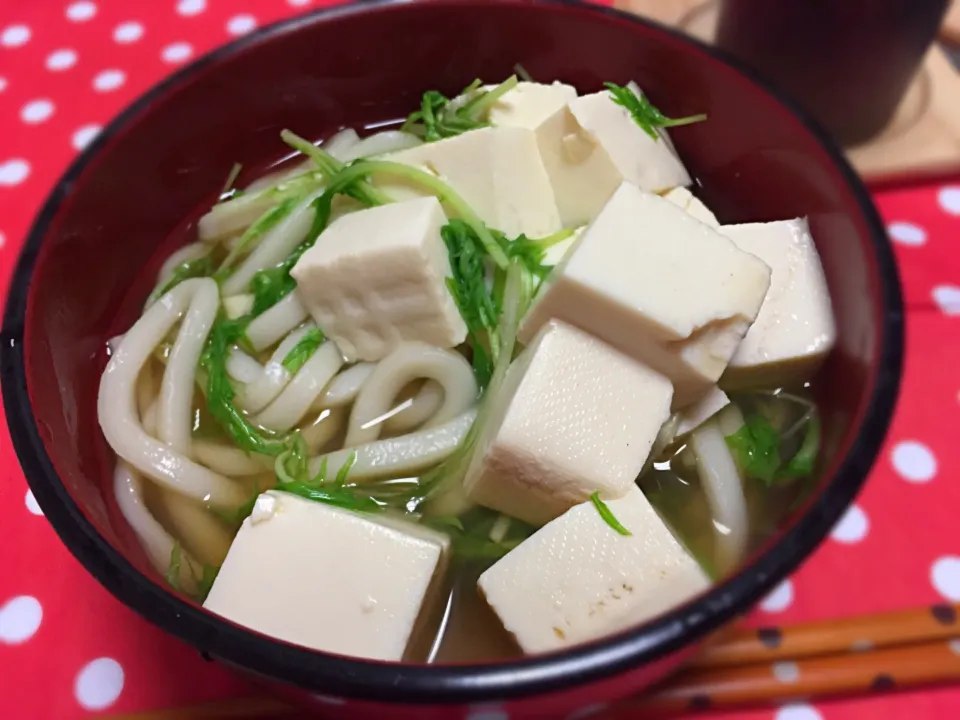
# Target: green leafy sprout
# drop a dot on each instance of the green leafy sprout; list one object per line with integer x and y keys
{"x": 644, "y": 114}
{"x": 607, "y": 514}
{"x": 439, "y": 117}
{"x": 303, "y": 350}
{"x": 756, "y": 448}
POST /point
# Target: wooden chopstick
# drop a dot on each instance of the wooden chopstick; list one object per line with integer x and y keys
{"x": 870, "y": 653}
{"x": 901, "y": 667}
{"x": 745, "y": 646}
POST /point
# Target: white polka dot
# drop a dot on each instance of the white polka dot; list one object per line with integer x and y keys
{"x": 907, "y": 233}
{"x": 298, "y": 3}
{"x": 99, "y": 683}
{"x": 798, "y": 711}
{"x": 15, "y": 35}
{"x": 914, "y": 461}
{"x": 81, "y": 11}
{"x": 61, "y": 59}
{"x": 83, "y": 136}
{"x": 786, "y": 672}
{"x": 19, "y": 619}
{"x": 240, "y": 24}
{"x": 3, "y": 84}
{"x": 36, "y": 111}
{"x": 853, "y": 526}
{"x": 945, "y": 576}
{"x": 779, "y": 599}
{"x": 3, "y": 239}
{"x": 947, "y": 298}
{"x": 109, "y": 80}
{"x": 128, "y": 32}
{"x": 191, "y": 7}
{"x": 949, "y": 199}
{"x": 177, "y": 52}
{"x": 861, "y": 645}
{"x": 31, "y": 502}
{"x": 954, "y": 646}
{"x": 14, "y": 172}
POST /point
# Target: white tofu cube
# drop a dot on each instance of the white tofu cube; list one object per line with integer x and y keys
{"x": 377, "y": 277}
{"x": 590, "y": 146}
{"x": 329, "y": 579}
{"x": 574, "y": 417}
{"x": 576, "y": 579}
{"x": 529, "y": 104}
{"x": 693, "y": 416}
{"x": 649, "y": 164}
{"x": 497, "y": 171}
{"x": 795, "y": 328}
{"x": 658, "y": 285}
{"x": 693, "y": 205}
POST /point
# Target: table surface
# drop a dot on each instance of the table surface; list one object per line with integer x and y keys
{"x": 69, "y": 650}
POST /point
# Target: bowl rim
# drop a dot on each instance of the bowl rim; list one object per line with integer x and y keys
{"x": 347, "y": 677}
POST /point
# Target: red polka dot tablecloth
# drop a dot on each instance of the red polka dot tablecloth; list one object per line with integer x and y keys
{"x": 69, "y": 650}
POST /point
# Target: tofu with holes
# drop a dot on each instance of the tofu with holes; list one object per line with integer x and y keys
{"x": 660, "y": 286}
{"x": 795, "y": 328}
{"x": 592, "y": 145}
{"x": 575, "y": 416}
{"x": 330, "y": 579}
{"x": 496, "y": 170}
{"x": 577, "y": 579}
{"x": 377, "y": 277}
{"x": 693, "y": 205}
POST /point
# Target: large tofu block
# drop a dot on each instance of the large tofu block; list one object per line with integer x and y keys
{"x": 660, "y": 286}
{"x": 575, "y": 416}
{"x": 529, "y": 104}
{"x": 590, "y": 146}
{"x": 581, "y": 171}
{"x": 576, "y": 579}
{"x": 693, "y": 205}
{"x": 795, "y": 328}
{"x": 329, "y": 579}
{"x": 377, "y": 277}
{"x": 649, "y": 164}
{"x": 497, "y": 171}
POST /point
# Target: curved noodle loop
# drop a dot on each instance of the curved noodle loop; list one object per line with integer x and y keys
{"x": 410, "y": 361}
{"x": 157, "y": 543}
{"x": 400, "y": 456}
{"x": 116, "y": 402}
{"x": 295, "y": 400}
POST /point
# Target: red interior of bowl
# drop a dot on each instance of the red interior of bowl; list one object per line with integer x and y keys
{"x": 112, "y": 222}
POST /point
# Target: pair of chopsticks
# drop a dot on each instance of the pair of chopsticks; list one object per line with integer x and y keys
{"x": 846, "y": 656}
{"x": 858, "y": 655}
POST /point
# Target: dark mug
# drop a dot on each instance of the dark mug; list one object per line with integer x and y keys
{"x": 847, "y": 62}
